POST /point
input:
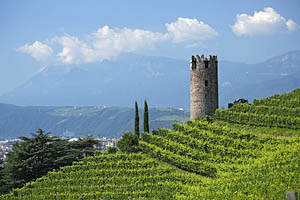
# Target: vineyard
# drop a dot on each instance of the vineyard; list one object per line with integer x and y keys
{"x": 197, "y": 160}
{"x": 110, "y": 176}
{"x": 281, "y": 111}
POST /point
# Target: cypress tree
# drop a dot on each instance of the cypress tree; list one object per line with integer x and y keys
{"x": 136, "y": 120}
{"x": 146, "y": 117}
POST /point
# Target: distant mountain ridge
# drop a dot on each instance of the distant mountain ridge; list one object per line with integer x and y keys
{"x": 280, "y": 74}
{"x": 73, "y": 121}
{"x": 164, "y": 82}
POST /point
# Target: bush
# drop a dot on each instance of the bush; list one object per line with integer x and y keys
{"x": 112, "y": 149}
{"x": 129, "y": 143}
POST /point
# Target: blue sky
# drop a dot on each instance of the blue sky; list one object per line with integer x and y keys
{"x": 35, "y": 34}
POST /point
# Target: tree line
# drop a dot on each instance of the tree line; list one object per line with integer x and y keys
{"x": 35, "y": 156}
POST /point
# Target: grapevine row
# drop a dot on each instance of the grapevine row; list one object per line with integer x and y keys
{"x": 291, "y": 103}
{"x": 258, "y": 119}
{"x": 182, "y": 162}
{"x": 202, "y": 148}
{"x": 266, "y": 110}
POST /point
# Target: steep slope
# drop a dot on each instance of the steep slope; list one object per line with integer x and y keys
{"x": 282, "y": 111}
{"x": 119, "y": 176}
{"x": 242, "y": 165}
{"x": 110, "y": 83}
{"x": 17, "y": 121}
{"x": 197, "y": 160}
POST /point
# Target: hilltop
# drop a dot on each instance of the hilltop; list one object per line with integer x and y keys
{"x": 74, "y": 121}
{"x": 235, "y": 154}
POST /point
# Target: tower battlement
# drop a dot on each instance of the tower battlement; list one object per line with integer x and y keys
{"x": 204, "y": 86}
{"x": 202, "y": 61}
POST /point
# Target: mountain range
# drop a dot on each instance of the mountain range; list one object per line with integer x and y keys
{"x": 164, "y": 82}
{"x": 73, "y": 121}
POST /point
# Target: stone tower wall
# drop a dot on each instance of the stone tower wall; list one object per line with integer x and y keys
{"x": 204, "y": 98}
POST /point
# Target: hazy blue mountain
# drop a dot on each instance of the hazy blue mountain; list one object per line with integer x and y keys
{"x": 164, "y": 82}
{"x": 70, "y": 121}
{"x": 111, "y": 83}
{"x": 280, "y": 74}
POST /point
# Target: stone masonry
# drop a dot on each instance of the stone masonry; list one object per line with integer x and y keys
{"x": 204, "y": 98}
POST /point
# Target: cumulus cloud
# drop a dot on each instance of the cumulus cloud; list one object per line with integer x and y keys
{"x": 73, "y": 50}
{"x": 107, "y": 42}
{"x": 37, "y": 50}
{"x": 262, "y": 22}
{"x": 185, "y": 29}
{"x": 126, "y": 39}
{"x": 291, "y": 25}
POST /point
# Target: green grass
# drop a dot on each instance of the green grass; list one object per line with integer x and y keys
{"x": 75, "y": 111}
{"x": 177, "y": 118}
{"x": 261, "y": 130}
{"x": 229, "y": 161}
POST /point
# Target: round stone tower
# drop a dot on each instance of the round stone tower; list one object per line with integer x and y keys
{"x": 204, "y": 98}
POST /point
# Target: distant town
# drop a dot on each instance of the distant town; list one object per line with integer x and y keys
{"x": 6, "y": 146}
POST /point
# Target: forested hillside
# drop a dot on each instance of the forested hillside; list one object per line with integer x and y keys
{"x": 72, "y": 121}
{"x": 234, "y": 154}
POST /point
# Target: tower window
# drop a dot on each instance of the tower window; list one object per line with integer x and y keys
{"x": 193, "y": 64}
{"x": 206, "y": 64}
{"x": 206, "y": 83}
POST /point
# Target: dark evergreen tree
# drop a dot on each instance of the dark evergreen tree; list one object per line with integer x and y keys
{"x": 2, "y": 180}
{"x": 146, "y": 117}
{"x": 129, "y": 143}
{"x": 34, "y": 157}
{"x": 237, "y": 102}
{"x": 136, "y": 121}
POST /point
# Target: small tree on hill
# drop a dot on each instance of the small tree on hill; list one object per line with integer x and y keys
{"x": 112, "y": 150}
{"x": 237, "y": 102}
{"x": 129, "y": 143}
{"x": 136, "y": 121}
{"x": 146, "y": 117}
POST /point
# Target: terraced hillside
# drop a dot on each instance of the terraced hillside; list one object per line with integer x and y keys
{"x": 240, "y": 165}
{"x": 277, "y": 115}
{"x": 110, "y": 176}
{"x": 230, "y": 156}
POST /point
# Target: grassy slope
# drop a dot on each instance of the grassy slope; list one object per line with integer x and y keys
{"x": 260, "y": 130}
{"x": 286, "y": 106}
{"x": 200, "y": 160}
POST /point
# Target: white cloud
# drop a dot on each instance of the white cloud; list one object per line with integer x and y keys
{"x": 262, "y": 22}
{"x": 185, "y": 29}
{"x": 37, "y": 50}
{"x": 291, "y": 25}
{"x": 73, "y": 51}
{"x": 126, "y": 39}
{"x": 107, "y": 42}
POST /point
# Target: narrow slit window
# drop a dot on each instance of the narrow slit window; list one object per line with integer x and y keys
{"x": 194, "y": 64}
{"x": 206, "y": 83}
{"x": 206, "y": 64}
